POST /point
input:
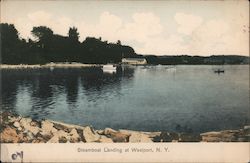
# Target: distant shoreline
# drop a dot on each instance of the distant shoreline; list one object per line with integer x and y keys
{"x": 50, "y": 65}
{"x": 83, "y": 65}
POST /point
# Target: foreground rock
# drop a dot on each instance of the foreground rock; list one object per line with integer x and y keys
{"x": 242, "y": 135}
{"x": 90, "y": 135}
{"x": 16, "y": 129}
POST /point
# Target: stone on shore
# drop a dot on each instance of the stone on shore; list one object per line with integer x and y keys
{"x": 150, "y": 135}
{"x": 108, "y": 131}
{"x": 222, "y": 136}
{"x": 59, "y": 135}
{"x": 119, "y": 137}
{"x": 189, "y": 137}
{"x": 16, "y": 124}
{"x": 90, "y": 135}
{"x": 9, "y": 135}
{"x": 12, "y": 119}
{"x": 47, "y": 128}
{"x": 246, "y": 129}
{"x": 139, "y": 138}
{"x": 25, "y": 122}
{"x": 65, "y": 126}
{"x": 104, "y": 139}
{"x": 74, "y": 136}
{"x": 163, "y": 137}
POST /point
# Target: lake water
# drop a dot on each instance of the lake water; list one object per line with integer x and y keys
{"x": 182, "y": 98}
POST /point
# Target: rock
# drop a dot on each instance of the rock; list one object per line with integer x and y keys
{"x": 105, "y": 139}
{"x": 54, "y": 139}
{"x": 33, "y": 130}
{"x": 58, "y": 136}
{"x": 242, "y": 139}
{"x": 41, "y": 140}
{"x": 246, "y": 129}
{"x": 211, "y": 139}
{"x": 34, "y": 123}
{"x": 223, "y": 136}
{"x": 119, "y": 137}
{"x": 44, "y": 138}
{"x": 19, "y": 128}
{"x": 108, "y": 131}
{"x": 165, "y": 137}
{"x": 36, "y": 141}
{"x": 9, "y": 135}
{"x": 63, "y": 139}
{"x": 16, "y": 124}
{"x": 45, "y": 134}
{"x": 30, "y": 136}
{"x": 139, "y": 137}
{"x": 150, "y": 134}
{"x": 174, "y": 136}
{"x": 47, "y": 128}
{"x": 61, "y": 133}
{"x": 63, "y": 126}
{"x": 127, "y": 132}
{"x": 188, "y": 137}
{"x": 25, "y": 122}
{"x": 12, "y": 119}
{"x": 89, "y": 135}
{"x": 100, "y": 132}
{"x": 74, "y": 136}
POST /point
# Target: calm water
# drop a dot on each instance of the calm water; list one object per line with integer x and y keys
{"x": 183, "y": 98}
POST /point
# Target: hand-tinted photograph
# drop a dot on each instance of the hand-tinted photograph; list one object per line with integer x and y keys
{"x": 124, "y": 71}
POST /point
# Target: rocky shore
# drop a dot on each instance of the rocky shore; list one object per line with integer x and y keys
{"x": 17, "y": 129}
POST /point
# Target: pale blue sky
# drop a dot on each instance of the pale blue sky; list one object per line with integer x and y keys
{"x": 150, "y": 27}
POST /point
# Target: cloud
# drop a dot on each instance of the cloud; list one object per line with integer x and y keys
{"x": 107, "y": 27}
{"x": 59, "y": 25}
{"x": 173, "y": 44}
{"x": 40, "y": 17}
{"x": 187, "y": 23}
{"x": 147, "y": 34}
{"x": 210, "y": 38}
{"x": 143, "y": 27}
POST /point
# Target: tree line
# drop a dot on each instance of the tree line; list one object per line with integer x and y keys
{"x": 46, "y": 47}
{"x": 49, "y": 47}
{"x": 197, "y": 60}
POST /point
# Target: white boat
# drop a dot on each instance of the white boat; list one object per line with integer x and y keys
{"x": 109, "y": 68}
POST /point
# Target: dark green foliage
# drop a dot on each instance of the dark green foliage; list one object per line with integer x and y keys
{"x": 194, "y": 60}
{"x": 49, "y": 47}
{"x": 73, "y": 34}
{"x": 42, "y": 33}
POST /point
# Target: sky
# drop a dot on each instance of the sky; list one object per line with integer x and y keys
{"x": 194, "y": 27}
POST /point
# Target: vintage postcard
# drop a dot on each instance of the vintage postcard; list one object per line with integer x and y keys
{"x": 124, "y": 81}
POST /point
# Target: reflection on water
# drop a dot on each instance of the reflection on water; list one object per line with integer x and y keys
{"x": 151, "y": 98}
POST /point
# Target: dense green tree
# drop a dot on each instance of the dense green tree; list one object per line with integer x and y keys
{"x": 73, "y": 34}
{"x": 9, "y": 43}
{"x": 42, "y": 33}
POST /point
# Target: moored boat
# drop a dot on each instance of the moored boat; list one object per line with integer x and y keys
{"x": 219, "y": 71}
{"x": 109, "y": 68}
